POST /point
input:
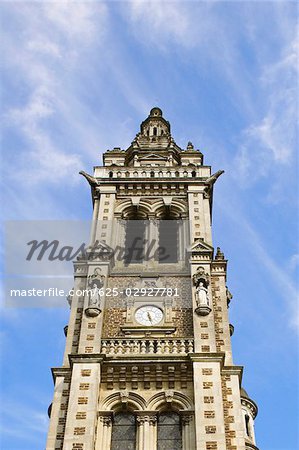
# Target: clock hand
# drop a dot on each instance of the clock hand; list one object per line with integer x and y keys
{"x": 150, "y": 317}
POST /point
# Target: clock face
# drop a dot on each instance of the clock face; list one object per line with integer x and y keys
{"x": 148, "y": 315}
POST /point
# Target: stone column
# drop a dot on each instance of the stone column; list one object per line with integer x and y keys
{"x": 188, "y": 437}
{"x": 94, "y": 220}
{"x": 152, "y": 241}
{"x": 147, "y": 430}
{"x": 104, "y": 430}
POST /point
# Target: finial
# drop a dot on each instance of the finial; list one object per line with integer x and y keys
{"x": 190, "y": 146}
{"x": 219, "y": 254}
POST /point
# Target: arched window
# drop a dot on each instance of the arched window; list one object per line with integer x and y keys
{"x": 155, "y": 131}
{"x": 152, "y": 174}
{"x": 110, "y": 174}
{"x": 193, "y": 174}
{"x": 123, "y": 432}
{"x": 168, "y": 239}
{"x": 135, "y": 240}
{"x": 169, "y": 431}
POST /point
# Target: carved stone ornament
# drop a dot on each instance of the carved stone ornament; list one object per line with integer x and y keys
{"x": 203, "y": 310}
{"x": 124, "y": 397}
{"x": 186, "y": 417}
{"x": 169, "y": 396}
{"x": 95, "y": 283}
{"x": 201, "y": 276}
{"x": 149, "y": 418}
{"x": 106, "y": 420}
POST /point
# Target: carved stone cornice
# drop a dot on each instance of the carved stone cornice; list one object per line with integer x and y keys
{"x": 83, "y": 358}
{"x": 146, "y": 375}
{"x": 208, "y": 357}
{"x": 60, "y": 372}
{"x": 233, "y": 370}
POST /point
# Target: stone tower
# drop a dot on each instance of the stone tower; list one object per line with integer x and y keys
{"x": 148, "y": 360}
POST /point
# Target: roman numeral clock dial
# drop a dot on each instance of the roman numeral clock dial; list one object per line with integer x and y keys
{"x": 148, "y": 315}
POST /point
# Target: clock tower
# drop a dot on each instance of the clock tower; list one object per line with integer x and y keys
{"x": 148, "y": 360}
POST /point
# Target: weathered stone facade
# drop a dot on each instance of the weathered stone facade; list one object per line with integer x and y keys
{"x": 160, "y": 360}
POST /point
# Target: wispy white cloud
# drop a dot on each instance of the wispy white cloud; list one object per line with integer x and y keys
{"x": 51, "y": 39}
{"x": 167, "y": 20}
{"x": 294, "y": 262}
{"x": 19, "y": 421}
{"x": 271, "y": 142}
{"x": 276, "y": 274}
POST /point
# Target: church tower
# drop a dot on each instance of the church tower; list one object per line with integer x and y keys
{"x": 148, "y": 360}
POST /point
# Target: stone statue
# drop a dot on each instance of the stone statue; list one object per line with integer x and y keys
{"x": 202, "y": 295}
{"x": 201, "y": 282}
{"x": 95, "y": 283}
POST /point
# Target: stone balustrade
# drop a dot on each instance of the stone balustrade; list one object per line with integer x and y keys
{"x": 147, "y": 346}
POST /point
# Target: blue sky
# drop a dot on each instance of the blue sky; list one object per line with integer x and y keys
{"x": 77, "y": 79}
